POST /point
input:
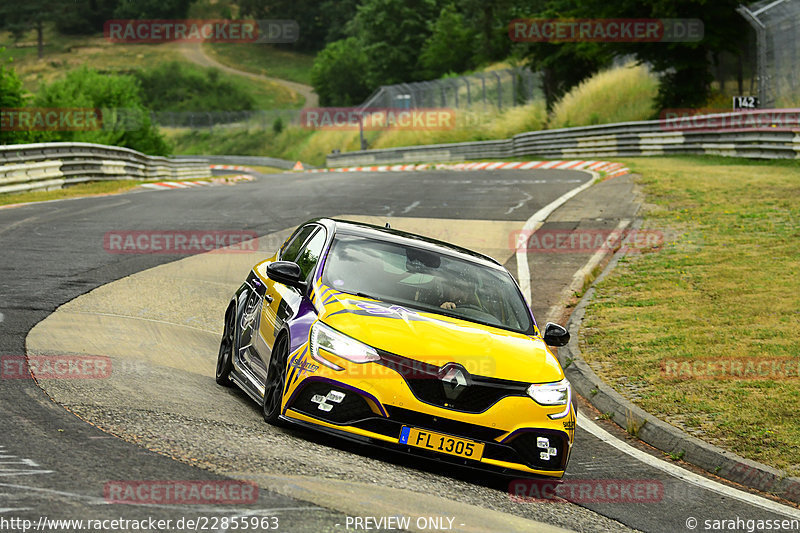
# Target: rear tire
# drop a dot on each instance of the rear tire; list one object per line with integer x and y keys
{"x": 276, "y": 382}
{"x": 226, "y": 349}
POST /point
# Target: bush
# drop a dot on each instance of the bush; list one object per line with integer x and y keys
{"x": 126, "y": 122}
{"x": 619, "y": 94}
{"x": 339, "y": 73}
{"x": 11, "y": 96}
{"x": 176, "y": 86}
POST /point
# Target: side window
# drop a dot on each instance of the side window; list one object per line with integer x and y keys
{"x": 309, "y": 256}
{"x": 291, "y": 249}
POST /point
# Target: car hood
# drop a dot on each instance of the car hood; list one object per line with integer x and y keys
{"x": 438, "y": 339}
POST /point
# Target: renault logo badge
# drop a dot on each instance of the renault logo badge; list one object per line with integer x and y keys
{"x": 454, "y": 380}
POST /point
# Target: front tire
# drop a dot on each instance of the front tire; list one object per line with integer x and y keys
{"x": 276, "y": 382}
{"x": 226, "y": 349}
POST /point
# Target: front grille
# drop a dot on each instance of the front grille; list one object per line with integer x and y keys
{"x": 475, "y": 397}
{"x": 427, "y": 385}
{"x": 353, "y": 407}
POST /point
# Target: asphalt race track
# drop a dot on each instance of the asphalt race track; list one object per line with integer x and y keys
{"x": 56, "y": 464}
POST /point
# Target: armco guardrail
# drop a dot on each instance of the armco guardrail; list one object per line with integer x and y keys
{"x": 247, "y": 160}
{"x": 28, "y": 167}
{"x": 765, "y": 134}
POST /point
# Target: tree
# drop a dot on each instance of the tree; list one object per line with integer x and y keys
{"x": 125, "y": 121}
{"x": 152, "y": 9}
{"x": 86, "y": 16}
{"x": 684, "y": 67}
{"x": 21, "y": 17}
{"x": 320, "y": 23}
{"x": 450, "y": 48}
{"x": 392, "y": 34}
{"x": 565, "y": 65}
{"x": 339, "y": 73}
{"x": 489, "y": 22}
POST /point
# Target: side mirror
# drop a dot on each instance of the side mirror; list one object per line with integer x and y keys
{"x": 286, "y": 272}
{"x": 555, "y": 335}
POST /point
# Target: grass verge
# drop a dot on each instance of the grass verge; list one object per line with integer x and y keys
{"x": 265, "y": 170}
{"x": 724, "y": 287}
{"x": 99, "y": 188}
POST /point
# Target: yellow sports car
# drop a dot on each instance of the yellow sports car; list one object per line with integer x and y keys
{"x": 398, "y": 340}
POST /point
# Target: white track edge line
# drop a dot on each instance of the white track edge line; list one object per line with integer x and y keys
{"x": 532, "y": 224}
{"x": 683, "y": 474}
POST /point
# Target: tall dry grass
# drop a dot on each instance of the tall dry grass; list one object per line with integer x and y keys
{"x": 618, "y": 94}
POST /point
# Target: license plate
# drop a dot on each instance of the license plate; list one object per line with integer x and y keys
{"x": 441, "y": 443}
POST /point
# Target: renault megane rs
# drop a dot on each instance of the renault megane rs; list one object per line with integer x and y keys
{"x": 397, "y": 340}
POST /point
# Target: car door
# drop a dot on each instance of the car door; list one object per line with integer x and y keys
{"x": 282, "y": 302}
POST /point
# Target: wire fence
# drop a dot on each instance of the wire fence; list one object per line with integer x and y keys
{"x": 486, "y": 91}
{"x": 777, "y": 23}
{"x": 490, "y": 89}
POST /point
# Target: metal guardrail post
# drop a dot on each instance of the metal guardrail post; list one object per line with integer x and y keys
{"x": 761, "y": 54}
{"x": 608, "y": 141}
{"x": 69, "y": 163}
{"x": 499, "y": 90}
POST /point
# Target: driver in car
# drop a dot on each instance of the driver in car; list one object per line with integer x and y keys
{"x": 456, "y": 295}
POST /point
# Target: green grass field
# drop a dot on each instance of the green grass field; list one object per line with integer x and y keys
{"x": 64, "y": 53}
{"x": 724, "y": 286}
{"x": 263, "y": 59}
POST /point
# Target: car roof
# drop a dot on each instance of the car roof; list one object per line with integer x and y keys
{"x": 363, "y": 229}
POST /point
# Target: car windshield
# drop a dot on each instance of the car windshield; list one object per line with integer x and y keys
{"x": 426, "y": 280}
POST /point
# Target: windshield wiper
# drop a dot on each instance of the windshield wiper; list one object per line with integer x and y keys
{"x": 365, "y": 295}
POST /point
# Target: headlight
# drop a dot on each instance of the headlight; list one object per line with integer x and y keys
{"x": 328, "y": 339}
{"x": 558, "y": 393}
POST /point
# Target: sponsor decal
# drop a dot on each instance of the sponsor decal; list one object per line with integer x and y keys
{"x": 304, "y": 366}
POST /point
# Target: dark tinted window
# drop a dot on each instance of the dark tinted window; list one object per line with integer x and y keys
{"x": 309, "y": 256}
{"x": 291, "y": 250}
{"x": 426, "y": 280}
